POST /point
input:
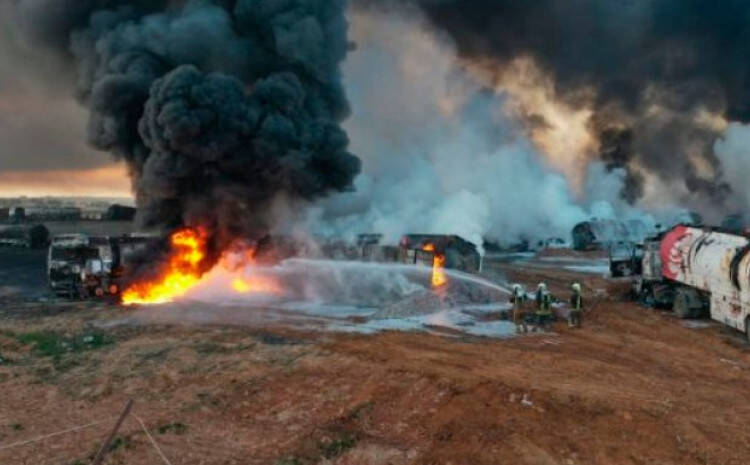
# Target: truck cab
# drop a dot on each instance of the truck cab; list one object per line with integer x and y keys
{"x": 73, "y": 258}
{"x": 650, "y": 286}
{"x": 625, "y": 258}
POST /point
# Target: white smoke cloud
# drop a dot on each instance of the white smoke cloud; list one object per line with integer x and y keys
{"x": 441, "y": 153}
{"x": 733, "y": 152}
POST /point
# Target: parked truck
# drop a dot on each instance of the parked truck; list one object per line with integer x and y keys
{"x": 82, "y": 266}
{"x": 600, "y": 234}
{"x": 698, "y": 271}
{"x": 31, "y": 236}
{"x": 458, "y": 253}
{"x": 625, "y": 258}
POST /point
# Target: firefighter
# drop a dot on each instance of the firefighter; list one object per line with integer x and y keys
{"x": 518, "y": 298}
{"x": 544, "y": 307}
{"x": 576, "y": 306}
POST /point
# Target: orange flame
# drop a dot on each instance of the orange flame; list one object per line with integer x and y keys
{"x": 438, "y": 264}
{"x": 255, "y": 285}
{"x": 438, "y": 273}
{"x": 182, "y": 271}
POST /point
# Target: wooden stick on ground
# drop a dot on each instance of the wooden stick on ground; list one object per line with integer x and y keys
{"x": 105, "y": 445}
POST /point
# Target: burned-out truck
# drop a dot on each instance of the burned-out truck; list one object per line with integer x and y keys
{"x": 625, "y": 258}
{"x": 458, "y": 253}
{"x": 82, "y": 266}
{"x": 600, "y": 234}
{"x": 698, "y": 271}
{"x": 67, "y": 258}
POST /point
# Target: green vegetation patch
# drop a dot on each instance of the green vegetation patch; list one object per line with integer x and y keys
{"x": 361, "y": 410}
{"x": 338, "y": 445}
{"x": 175, "y": 428}
{"x": 56, "y": 344}
{"x": 287, "y": 461}
{"x": 120, "y": 442}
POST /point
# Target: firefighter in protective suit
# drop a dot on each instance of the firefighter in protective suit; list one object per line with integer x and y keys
{"x": 518, "y": 299}
{"x": 544, "y": 307}
{"x": 576, "y": 306}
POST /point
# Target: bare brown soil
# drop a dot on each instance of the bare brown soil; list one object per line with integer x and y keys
{"x": 633, "y": 386}
{"x": 563, "y": 252}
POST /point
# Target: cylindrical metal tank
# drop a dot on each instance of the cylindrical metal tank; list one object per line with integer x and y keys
{"x": 712, "y": 262}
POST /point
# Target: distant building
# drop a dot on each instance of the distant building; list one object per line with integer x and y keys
{"x": 30, "y": 236}
{"x": 52, "y": 214}
{"x": 119, "y": 212}
{"x": 92, "y": 215}
{"x": 17, "y": 214}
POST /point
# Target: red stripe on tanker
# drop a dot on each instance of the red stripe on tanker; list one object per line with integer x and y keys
{"x": 717, "y": 264}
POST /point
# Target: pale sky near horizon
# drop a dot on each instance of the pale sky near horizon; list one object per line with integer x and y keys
{"x": 43, "y": 147}
{"x": 107, "y": 181}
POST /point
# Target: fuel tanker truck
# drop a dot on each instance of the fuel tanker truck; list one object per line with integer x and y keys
{"x": 698, "y": 271}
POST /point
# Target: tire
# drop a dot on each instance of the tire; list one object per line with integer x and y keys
{"x": 646, "y": 297}
{"x": 687, "y": 303}
{"x": 747, "y": 330}
{"x": 681, "y": 305}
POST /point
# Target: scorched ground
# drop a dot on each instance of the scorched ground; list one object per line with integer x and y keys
{"x": 634, "y": 386}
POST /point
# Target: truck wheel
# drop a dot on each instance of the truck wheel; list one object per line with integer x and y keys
{"x": 681, "y": 305}
{"x": 687, "y": 303}
{"x": 647, "y": 297}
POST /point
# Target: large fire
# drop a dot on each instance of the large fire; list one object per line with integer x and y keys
{"x": 438, "y": 266}
{"x": 182, "y": 271}
{"x": 185, "y": 269}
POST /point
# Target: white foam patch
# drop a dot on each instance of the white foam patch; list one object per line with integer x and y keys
{"x": 590, "y": 269}
{"x": 456, "y": 320}
{"x": 324, "y": 295}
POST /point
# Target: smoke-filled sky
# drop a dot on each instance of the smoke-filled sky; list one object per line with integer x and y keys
{"x": 221, "y": 110}
{"x": 42, "y": 128}
{"x": 660, "y": 78}
{"x": 459, "y": 109}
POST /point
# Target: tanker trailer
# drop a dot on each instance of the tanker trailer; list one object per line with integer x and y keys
{"x": 700, "y": 270}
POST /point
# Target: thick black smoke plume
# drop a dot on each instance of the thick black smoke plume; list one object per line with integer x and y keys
{"x": 218, "y": 107}
{"x": 654, "y": 66}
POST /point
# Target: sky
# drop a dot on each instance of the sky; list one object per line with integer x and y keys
{"x": 43, "y": 147}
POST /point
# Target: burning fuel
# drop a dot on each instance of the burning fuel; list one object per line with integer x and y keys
{"x": 182, "y": 271}
{"x": 438, "y": 266}
{"x": 438, "y": 271}
{"x": 186, "y": 268}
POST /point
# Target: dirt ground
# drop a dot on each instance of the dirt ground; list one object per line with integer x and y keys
{"x": 633, "y": 386}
